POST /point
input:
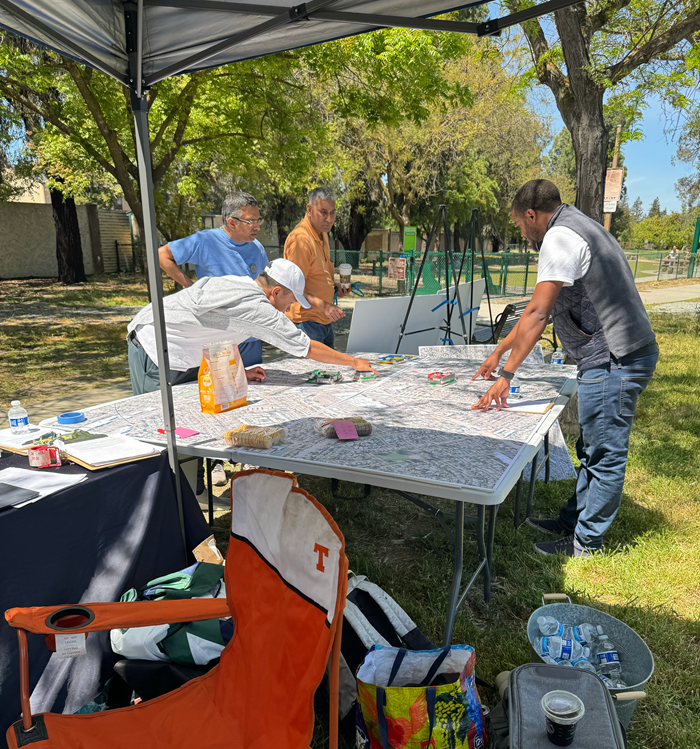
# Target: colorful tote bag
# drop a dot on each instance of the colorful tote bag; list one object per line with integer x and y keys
{"x": 423, "y": 699}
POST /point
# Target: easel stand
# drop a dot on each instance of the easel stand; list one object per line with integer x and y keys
{"x": 453, "y": 277}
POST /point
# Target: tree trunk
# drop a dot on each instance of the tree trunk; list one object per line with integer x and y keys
{"x": 581, "y": 108}
{"x": 69, "y": 249}
{"x": 354, "y": 235}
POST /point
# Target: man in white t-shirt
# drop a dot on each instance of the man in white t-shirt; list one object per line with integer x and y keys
{"x": 585, "y": 284}
{"x": 226, "y": 308}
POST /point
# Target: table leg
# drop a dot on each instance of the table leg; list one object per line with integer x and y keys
{"x": 458, "y": 553}
{"x": 483, "y": 550}
{"x": 210, "y": 490}
{"x": 531, "y": 488}
{"x": 493, "y": 509}
{"x": 335, "y": 485}
{"x": 518, "y": 495}
{"x": 546, "y": 458}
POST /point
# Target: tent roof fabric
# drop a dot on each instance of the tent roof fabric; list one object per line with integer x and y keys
{"x": 196, "y": 33}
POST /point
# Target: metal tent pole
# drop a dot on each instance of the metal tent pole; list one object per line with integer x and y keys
{"x": 155, "y": 285}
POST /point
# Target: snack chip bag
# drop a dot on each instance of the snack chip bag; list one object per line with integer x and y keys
{"x": 222, "y": 382}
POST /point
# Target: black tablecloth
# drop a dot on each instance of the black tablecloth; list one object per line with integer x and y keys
{"x": 116, "y": 530}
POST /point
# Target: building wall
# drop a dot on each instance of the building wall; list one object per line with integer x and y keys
{"x": 28, "y": 241}
{"x": 115, "y": 227}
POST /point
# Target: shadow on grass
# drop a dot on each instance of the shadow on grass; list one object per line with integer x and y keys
{"x": 406, "y": 553}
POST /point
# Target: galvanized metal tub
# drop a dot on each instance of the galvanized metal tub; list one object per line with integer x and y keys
{"x": 636, "y": 658}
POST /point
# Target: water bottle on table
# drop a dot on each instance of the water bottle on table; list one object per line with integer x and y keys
{"x": 558, "y": 356}
{"x": 19, "y": 420}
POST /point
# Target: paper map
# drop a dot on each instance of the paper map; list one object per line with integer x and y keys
{"x": 419, "y": 430}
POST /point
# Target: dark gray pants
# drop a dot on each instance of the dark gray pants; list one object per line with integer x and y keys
{"x": 145, "y": 378}
{"x": 144, "y": 374}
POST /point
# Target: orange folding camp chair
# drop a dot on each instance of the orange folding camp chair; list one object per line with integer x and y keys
{"x": 286, "y": 578}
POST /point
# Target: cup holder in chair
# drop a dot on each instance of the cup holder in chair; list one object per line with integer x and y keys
{"x": 65, "y": 620}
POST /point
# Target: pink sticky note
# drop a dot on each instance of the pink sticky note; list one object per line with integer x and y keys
{"x": 182, "y": 432}
{"x": 345, "y": 430}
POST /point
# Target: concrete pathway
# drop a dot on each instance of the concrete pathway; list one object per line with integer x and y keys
{"x": 672, "y": 294}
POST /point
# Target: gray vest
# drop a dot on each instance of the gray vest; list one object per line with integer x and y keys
{"x": 602, "y": 313}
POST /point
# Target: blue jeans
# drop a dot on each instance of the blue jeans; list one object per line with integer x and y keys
{"x": 607, "y": 400}
{"x": 317, "y": 331}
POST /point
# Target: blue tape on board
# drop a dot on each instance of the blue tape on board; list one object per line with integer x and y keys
{"x": 72, "y": 417}
{"x": 447, "y": 301}
{"x": 473, "y": 309}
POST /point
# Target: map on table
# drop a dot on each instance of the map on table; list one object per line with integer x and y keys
{"x": 420, "y": 430}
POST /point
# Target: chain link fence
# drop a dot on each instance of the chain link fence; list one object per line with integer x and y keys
{"x": 508, "y": 273}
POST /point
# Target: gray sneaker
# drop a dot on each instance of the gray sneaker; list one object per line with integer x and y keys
{"x": 549, "y": 525}
{"x": 569, "y": 546}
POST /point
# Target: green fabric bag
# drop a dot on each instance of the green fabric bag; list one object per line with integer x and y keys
{"x": 189, "y": 643}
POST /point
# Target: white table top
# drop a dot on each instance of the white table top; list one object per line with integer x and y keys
{"x": 425, "y": 439}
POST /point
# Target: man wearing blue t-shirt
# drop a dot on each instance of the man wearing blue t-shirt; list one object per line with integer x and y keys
{"x": 231, "y": 250}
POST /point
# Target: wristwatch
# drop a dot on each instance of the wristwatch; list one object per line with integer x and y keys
{"x": 503, "y": 373}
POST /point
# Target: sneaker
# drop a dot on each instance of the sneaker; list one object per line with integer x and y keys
{"x": 549, "y": 525}
{"x": 569, "y": 546}
{"x": 218, "y": 475}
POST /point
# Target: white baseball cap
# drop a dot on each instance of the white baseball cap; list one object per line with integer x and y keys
{"x": 288, "y": 274}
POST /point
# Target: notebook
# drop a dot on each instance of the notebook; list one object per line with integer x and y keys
{"x": 109, "y": 450}
{"x": 14, "y": 495}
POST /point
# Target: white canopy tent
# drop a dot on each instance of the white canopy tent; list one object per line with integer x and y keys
{"x": 140, "y": 43}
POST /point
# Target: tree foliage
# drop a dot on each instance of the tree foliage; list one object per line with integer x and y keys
{"x": 202, "y": 124}
{"x": 664, "y": 231}
{"x": 613, "y": 50}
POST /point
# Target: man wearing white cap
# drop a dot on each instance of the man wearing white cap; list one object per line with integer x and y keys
{"x": 226, "y": 308}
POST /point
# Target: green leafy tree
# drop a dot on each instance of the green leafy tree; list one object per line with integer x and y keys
{"x": 236, "y": 119}
{"x": 637, "y": 210}
{"x": 664, "y": 231}
{"x": 622, "y": 49}
{"x": 654, "y": 208}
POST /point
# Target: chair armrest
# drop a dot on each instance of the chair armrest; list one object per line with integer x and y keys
{"x": 104, "y": 616}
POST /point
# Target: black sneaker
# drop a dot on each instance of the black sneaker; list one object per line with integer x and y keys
{"x": 564, "y": 546}
{"x": 549, "y": 525}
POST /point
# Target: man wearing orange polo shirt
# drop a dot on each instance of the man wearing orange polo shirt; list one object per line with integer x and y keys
{"x": 307, "y": 247}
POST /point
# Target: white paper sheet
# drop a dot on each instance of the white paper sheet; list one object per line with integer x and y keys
{"x": 107, "y": 450}
{"x": 529, "y": 406}
{"x": 45, "y": 482}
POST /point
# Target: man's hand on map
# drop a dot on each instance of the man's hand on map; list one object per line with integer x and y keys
{"x": 497, "y": 392}
{"x": 256, "y": 374}
{"x": 489, "y": 366}
{"x": 363, "y": 365}
{"x": 333, "y": 312}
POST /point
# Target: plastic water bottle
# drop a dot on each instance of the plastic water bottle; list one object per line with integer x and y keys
{"x": 608, "y": 659}
{"x": 558, "y": 357}
{"x": 514, "y": 390}
{"x": 550, "y": 626}
{"x": 560, "y": 648}
{"x": 584, "y": 663}
{"x": 19, "y": 420}
{"x": 585, "y": 634}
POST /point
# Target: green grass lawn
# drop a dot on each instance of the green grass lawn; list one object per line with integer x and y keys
{"x": 648, "y": 578}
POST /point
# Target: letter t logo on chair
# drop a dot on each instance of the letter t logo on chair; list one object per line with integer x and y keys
{"x": 322, "y": 552}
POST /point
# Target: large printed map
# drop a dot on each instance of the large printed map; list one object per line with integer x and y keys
{"x": 420, "y": 430}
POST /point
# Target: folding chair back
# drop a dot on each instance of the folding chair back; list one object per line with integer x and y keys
{"x": 286, "y": 577}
